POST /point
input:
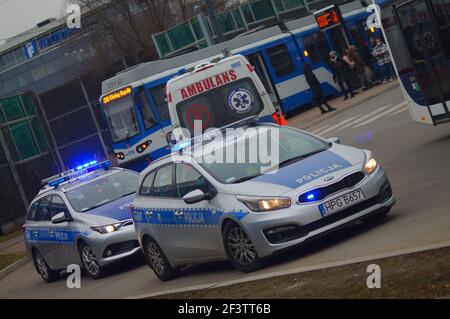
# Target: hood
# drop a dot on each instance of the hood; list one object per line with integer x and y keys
{"x": 117, "y": 210}
{"x": 338, "y": 158}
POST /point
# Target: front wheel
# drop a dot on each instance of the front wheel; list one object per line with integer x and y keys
{"x": 90, "y": 263}
{"x": 240, "y": 250}
{"x": 158, "y": 261}
{"x": 43, "y": 269}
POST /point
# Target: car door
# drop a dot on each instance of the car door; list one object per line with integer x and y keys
{"x": 63, "y": 250}
{"x": 197, "y": 224}
{"x": 157, "y": 198}
{"x": 41, "y": 230}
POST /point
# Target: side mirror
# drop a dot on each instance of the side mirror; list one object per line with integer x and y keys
{"x": 336, "y": 140}
{"x": 60, "y": 218}
{"x": 194, "y": 197}
{"x": 170, "y": 138}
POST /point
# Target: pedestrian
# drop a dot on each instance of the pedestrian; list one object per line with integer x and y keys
{"x": 341, "y": 74}
{"x": 381, "y": 52}
{"x": 314, "y": 84}
{"x": 359, "y": 67}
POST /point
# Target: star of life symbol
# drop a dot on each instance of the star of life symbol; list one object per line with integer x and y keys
{"x": 240, "y": 100}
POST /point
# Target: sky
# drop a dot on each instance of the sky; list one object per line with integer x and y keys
{"x": 17, "y": 16}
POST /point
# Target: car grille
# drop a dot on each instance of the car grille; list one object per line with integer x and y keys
{"x": 120, "y": 248}
{"x": 322, "y": 192}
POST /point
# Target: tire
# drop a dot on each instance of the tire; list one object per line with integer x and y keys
{"x": 89, "y": 262}
{"x": 158, "y": 262}
{"x": 377, "y": 216}
{"x": 43, "y": 269}
{"x": 239, "y": 249}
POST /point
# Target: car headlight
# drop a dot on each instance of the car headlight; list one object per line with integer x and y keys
{"x": 259, "y": 204}
{"x": 106, "y": 229}
{"x": 370, "y": 166}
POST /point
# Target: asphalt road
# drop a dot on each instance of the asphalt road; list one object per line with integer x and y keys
{"x": 417, "y": 160}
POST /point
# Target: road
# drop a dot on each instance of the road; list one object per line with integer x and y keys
{"x": 417, "y": 160}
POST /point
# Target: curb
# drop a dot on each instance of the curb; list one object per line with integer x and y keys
{"x": 14, "y": 266}
{"x": 369, "y": 95}
{"x": 296, "y": 271}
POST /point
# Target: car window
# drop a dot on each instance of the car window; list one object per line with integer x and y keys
{"x": 146, "y": 186}
{"x": 32, "y": 211}
{"x": 58, "y": 206}
{"x": 189, "y": 179}
{"x": 43, "y": 211}
{"x": 163, "y": 186}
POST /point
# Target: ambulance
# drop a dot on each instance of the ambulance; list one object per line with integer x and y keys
{"x": 217, "y": 94}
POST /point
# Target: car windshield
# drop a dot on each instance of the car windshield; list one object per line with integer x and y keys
{"x": 103, "y": 190}
{"x": 283, "y": 146}
{"x": 121, "y": 118}
{"x": 221, "y": 106}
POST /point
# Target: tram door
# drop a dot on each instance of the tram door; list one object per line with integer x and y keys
{"x": 339, "y": 39}
{"x": 256, "y": 60}
{"x": 425, "y": 25}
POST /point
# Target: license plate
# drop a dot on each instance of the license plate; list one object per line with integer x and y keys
{"x": 341, "y": 202}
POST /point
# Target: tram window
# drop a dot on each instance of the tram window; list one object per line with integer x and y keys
{"x": 317, "y": 47}
{"x": 281, "y": 60}
{"x": 146, "y": 111}
{"x": 441, "y": 10}
{"x": 159, "y": 97}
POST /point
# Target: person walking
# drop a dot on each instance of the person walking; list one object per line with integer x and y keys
{"x": 381, "y": 52}
{"x": 359, "y": 67}
{"x": 341, "y": 74}
{"x": 314, "y": 84}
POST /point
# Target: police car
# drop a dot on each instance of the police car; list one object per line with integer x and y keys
{"x": 190, "y": 208}
{"x": 82, "y": 215}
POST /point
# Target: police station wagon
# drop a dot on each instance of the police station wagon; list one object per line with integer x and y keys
{"x": 192, "y": 209}
{"x": 82, "y": 216}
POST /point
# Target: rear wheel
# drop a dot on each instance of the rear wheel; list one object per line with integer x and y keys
{"x": 89, "y": 261}
{"x": 43, "y": 269}
{"x": 240, "y": 250}
{"x": 158, "y": 261}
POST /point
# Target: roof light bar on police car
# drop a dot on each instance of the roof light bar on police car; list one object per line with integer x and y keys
{"x": 75, "y": 173}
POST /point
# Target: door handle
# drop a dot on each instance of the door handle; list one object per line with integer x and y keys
{"x": 179, "y": 213}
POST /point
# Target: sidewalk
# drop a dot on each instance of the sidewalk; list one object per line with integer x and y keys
{"x": 313, "y": 116}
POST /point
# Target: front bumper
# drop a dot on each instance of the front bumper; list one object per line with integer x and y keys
{"x": 276, "y": 231}
{"x": 114, "y": 246}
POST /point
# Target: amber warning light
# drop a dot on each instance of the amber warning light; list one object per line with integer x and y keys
{"x": 117, "y": 95}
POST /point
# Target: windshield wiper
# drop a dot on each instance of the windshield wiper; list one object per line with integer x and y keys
{"x": 300, "y": 157}
{"x": 245, "y": 178}
{"x": 103, "y": 202}
{"x": 128, "y": 194}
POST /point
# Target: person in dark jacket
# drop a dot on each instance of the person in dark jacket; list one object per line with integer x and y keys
{"x": 314, "y": 84}
{"x": 342, "y": 74}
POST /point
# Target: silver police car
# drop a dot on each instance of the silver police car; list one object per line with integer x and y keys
{"x": 191, "y": 208}
{"x": 82, "y": 215}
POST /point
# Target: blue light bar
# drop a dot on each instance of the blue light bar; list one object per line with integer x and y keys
{"x": 311, "y": 197}
{"x": 181, "y": 145}
{"x": 76, "y": 173}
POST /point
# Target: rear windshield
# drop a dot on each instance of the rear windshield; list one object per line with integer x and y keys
{"x": 221, "y": 106}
